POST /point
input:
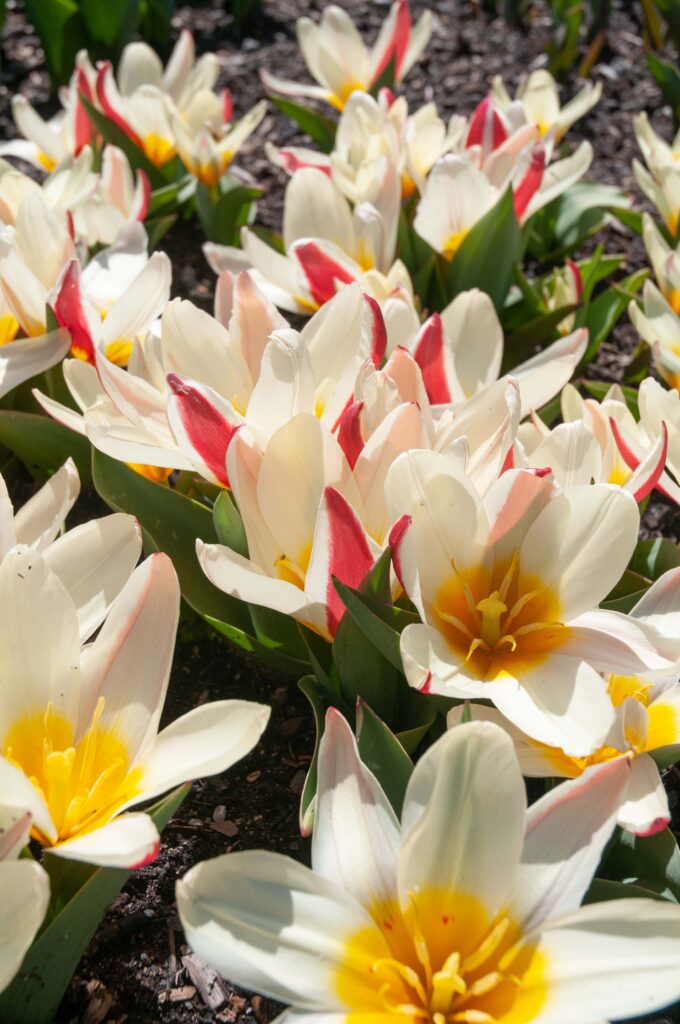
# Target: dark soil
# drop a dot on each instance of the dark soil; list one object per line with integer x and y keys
{"x": 133, "y": 969}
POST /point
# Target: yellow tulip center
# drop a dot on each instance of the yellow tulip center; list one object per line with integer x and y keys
{"x": 83, "y": 783}
{"x": 498, "y": 621}
{"x": 339, "y": 99}
{"x": 442, "y": 960}
{"x": 453, "y": 244}
{"x": 158, "y": 149}
{"x": 9, "y": 328}
{"x": 293, "y": 568}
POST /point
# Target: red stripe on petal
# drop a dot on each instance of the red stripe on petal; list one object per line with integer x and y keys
{"x": 82, "y": 127}
{"x": 69, "y": 312}
{"x": 398, "y": 45}
{"x": 530, "y": 183}
{"x": 378, "y": 331}
{"x": 150, "y": 857}
{"x": 648, "y": 485}
{"x": 227, "y": 105}
{"x": 658, "y": 825}
{"x": 144, "y": 187}
{"x": 397, "y": 534}
{"x": 627, "y": 453}
{"x": 104, "y": 75}
{"x": 350, "y": 438}
{"x": 577, "y": 279}
{"x": 349, "y": 556}
{"x": 486, "y": 127}
{"x": 429, "y": 355}
{"x": 207, "y": 431}
{"x": 292, "y": 163}
{"x": 321, "y": 271}
{"x": 426, "y": 687}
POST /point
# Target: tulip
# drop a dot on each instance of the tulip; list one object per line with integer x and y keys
{"x": 665, "y": 262}
{"x": 538, "y": 102}
{"x": 660, "y": 181}
{"x": 24, "y": 893}
{"x": 339, "y": 61}
{"x": 295, "y": 548}
{"x": 600, "y": 443}
{"x": 208, "y": 154}
{"x": 78, "y": 729}
{"x": 646, "y": 724}
{"x": 509, "y": 602}
{"x": 430, "y": 922}
{"x": 658, "y": 324}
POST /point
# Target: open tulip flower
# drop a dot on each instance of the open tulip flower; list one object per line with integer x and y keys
{"x": 295, "y": 548}
{"x": 339, "y": 61}
{"x": 24, "y": 893}
{"x": 207, "y": 140}
{"x": 601, "y": 442}
{"x": 660, "y": 180}
{"x": 327, "y": 245}
{"x": 658, "y": 324}
{"x": 434, "y": 923}
{"x": 665, "y": 262}
{"x": 537, "y": 101}
{"x": 507, "y": 588}
{"x": 78, "y": 728}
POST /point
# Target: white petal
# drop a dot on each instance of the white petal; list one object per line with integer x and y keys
{"x": 356, "y": 833}
{"x": 24, "y": 896}
{"x": 39, "y": 521}
{"x": 645, "y": 808}
{"x": 130, "y": 841}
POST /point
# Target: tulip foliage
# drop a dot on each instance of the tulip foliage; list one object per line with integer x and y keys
{"x": 385, "y": 465}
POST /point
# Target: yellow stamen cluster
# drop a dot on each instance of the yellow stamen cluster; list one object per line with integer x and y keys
{"x": 83, "y": 782}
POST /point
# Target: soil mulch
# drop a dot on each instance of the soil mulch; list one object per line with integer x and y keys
{"x": 133, "y": 970}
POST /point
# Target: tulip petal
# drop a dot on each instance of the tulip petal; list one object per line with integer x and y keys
{"x": 131, "y": 841}
{"x": 644, "y": 811}
{"x": 24, "y": 897}
{"x": 39, "y": 521}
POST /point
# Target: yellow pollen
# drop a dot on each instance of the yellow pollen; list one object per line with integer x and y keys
{"x": 441, "y": 960}
{"x": 294, "y": 569}
{"x": 673, "y": 299}
{"x": 157, "y": 474}
{"x": 83, "y": 781}
{"x": 338, "y": 100}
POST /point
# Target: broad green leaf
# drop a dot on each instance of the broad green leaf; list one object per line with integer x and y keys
{"x": 652, "y": 558}
{"x": 278, "y": 630}
{"x": 603, "y": 889}
{"x": 382, "y": 752}
{"x": 417, "y": 715}
{"x": 381, "y": 634}
{"x": 223, "y": 213}
{"x": 627, "y": 592}
{"x": 42, "y": 443}
{"x": 365, "y": 672}
{"x": 110, "y": 22}
{"x": 539, "y": 332}
{"x": 319, "y": 128}
{"x": 486, "y": 257}
{"x": 168, "y": 198}
{"x": 174, "y": 522}
{"x": 559, "y": 228}
{"x": 229, "y": 525}
{"x": 651, "y": 862}
{"x": 61, "y": 34}
{"x": 667, "y": 77}
{"x": 318, "y": 698}
{"x": 268, "y": 651}
{"x": 34, "y": 995}
{"x": 604, "y": 311}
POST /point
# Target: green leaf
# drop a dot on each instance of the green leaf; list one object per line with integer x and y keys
{"x": 603, "y": 889}
{"x": 651, "y": 862}
{"x": 486, "y": 257}
{"x": 61, "y": 34}
{"x": 320, "y": 704}
{"x": 417, "y": 715}
{"x": 560, "y": 227}
{"x": 522, "y": 343}
{"x": 229, "y": 525}
{"x": 174, "y": 522}
{"x": 42, "y": 443}
{"x": 667, "y": 77}
{"x": 34, "y": 995}
{"x": 224, "y": 213}
{"x": 319, "y": 128}
{"x": 168, "y": 198}
{"x": 364, "y": 671}
{"x": 381, "y": 634}
{"x": 268, "y": 651}
{"x": 110, "y": 22}
{"x": 652, "y": 558}
{"x": 627, "y": 592}
{"x": 382, "y": 752}
{"x": 604, "y": 311}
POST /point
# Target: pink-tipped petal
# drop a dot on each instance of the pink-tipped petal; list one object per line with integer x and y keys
{"x": 349, "y": 432}
{"x": 429, "y": 353}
